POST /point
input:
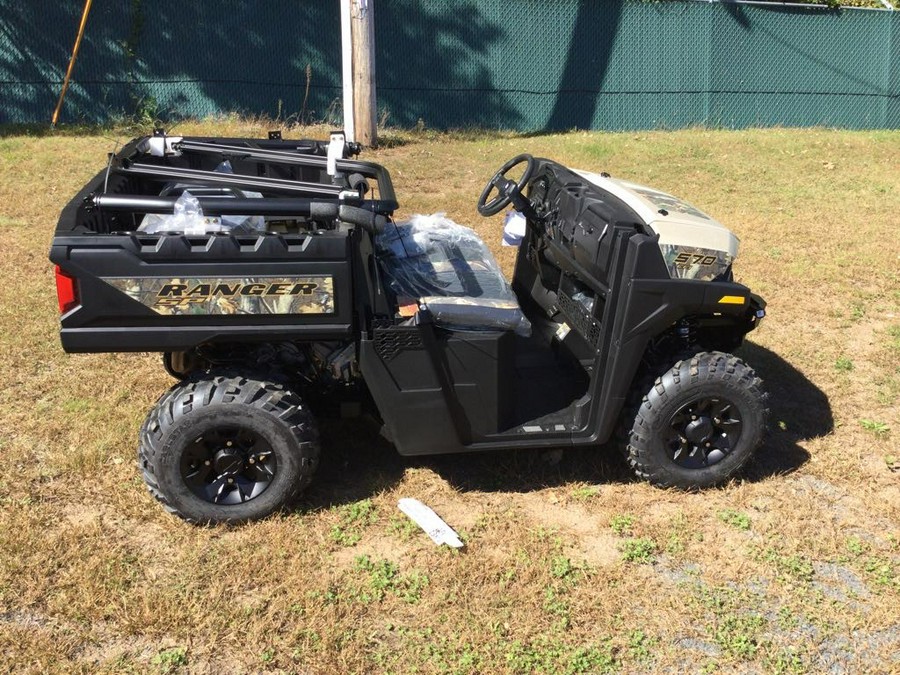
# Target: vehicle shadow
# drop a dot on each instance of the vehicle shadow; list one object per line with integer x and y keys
{"x": 799, "y": 411}
{"x": 358, "y": 463}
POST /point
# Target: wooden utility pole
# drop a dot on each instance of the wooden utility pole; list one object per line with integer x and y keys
{"x": 362, "y": 32}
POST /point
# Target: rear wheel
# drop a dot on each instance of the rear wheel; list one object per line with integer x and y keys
{"x": 699, "y": 423}
{"x": 227, "y": 448}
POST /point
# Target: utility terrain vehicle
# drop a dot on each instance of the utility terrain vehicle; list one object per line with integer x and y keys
{"x": 274, "y": 280}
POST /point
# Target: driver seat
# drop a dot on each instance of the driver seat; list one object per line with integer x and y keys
{"x": 448, "y": 269}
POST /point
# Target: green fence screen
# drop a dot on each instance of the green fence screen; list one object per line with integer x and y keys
{"x": 516, "y": 64}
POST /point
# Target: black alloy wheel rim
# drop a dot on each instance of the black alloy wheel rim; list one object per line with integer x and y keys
{"x": 228, "y": 465}
{"x": 703, "y": 432}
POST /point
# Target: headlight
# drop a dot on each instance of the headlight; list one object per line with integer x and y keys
{"x": 689, "y": 262}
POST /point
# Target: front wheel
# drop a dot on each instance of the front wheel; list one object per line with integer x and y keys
{"x": 699, "y": 423}
{"x": 225, "y": 448}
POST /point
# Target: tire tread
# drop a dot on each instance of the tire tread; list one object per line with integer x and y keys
{"x": 225, "y": 389}
{"x": 689, "y": 370}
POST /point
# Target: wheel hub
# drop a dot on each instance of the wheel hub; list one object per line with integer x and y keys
{"x": 228, "y": 462}
{"x": 228, "y": 465}
{"x": 699, "y": 430}
{"x": 703, "y": 432}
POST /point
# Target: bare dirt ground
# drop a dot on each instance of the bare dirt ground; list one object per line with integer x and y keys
{"x": 570, "y": 566}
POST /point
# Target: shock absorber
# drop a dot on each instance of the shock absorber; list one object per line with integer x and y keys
{"x": 687, "y": 331}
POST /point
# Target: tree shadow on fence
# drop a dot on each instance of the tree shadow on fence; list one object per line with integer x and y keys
{"x": 171, "y": 60}
{"x": 431, "y": 66}
{"x": 587, "y": 62}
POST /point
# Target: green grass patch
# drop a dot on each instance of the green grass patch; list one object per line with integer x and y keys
{"x": 876, "y": 427}
{"x": 354, "y": 518}
{"x": 170, "y": 660}
{"x": 843, "y": 365}
{"x": 585, "y": 492}
{"x": 560, "y": 658}
{"x": 639, "y": 550}
{"x": 384, "y": 578}
{"x": 739, "y": 635}
{"x": 621, "y": 524}
{"x": 734, "y": 518}
{"x": 793, "y": 567}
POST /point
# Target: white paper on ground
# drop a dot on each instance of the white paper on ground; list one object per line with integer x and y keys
{"x": 439, "y": 531}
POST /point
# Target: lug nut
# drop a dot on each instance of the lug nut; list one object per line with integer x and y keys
{"x": 229, "y": 443}
{"x": 231, "y": 480}
{"x": 693, "y": 417}
{"x": 207, "y": 462}
{"x": 252, "y": 461}
{"x": 709, "y": 445}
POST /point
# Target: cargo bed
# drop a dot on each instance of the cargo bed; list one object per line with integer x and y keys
{"x": 124, "y": 289}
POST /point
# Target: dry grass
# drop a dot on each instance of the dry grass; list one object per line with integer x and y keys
{"x": 571, "y": 567}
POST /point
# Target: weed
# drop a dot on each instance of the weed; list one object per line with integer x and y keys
{"x": 639, "y": 550}
{"x": 344, "y": 537}
{"x": 894, "y": 333}
{"x": 877, "y": 428}
{"x": 843, "y": 364}
{"x": 881, "y": 571}
{"x": 549, "y": 656}
{"x": 855, "y": 546}
{"x": 170, "y": 660}
{"x": 674, "y": 544}
{"x": 267, "y": 656}
{"x": 793, "y": 567}
{"x": 561, "y": 567}
{"x": 738, "y": 635}
{"x": 639, "y": 645}
{"x": 585, "y": 493}
{"x": 402, "y": 527}
{"x": 591, "y": 660}
{"x": 354, "y": 518}
{"x": 621, "y": 524}
{"x": 786, "y": 662}
{"x": 735, "y": 518}
{"x": 384, "y": 577}
{"x": 505, "y": 577}
{"x": 787, "y": 620}
{"x": 556, "y": 605}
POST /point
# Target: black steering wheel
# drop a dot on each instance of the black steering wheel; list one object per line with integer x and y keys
{"x": 507, "y": 190}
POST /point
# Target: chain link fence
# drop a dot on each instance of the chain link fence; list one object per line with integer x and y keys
{"x": 516, "y": 64}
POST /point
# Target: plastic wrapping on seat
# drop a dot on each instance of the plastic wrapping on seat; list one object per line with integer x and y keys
{"x": 450, "y": 270}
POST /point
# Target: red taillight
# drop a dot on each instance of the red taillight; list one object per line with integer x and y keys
{"x": 66, "y": 291}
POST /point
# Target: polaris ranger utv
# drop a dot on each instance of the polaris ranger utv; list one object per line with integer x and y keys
{"x": 274, "y": 280}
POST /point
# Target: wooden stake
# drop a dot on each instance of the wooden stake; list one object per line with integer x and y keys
{"x": 65, "y": 87}
{"x": 364, "y": 101}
